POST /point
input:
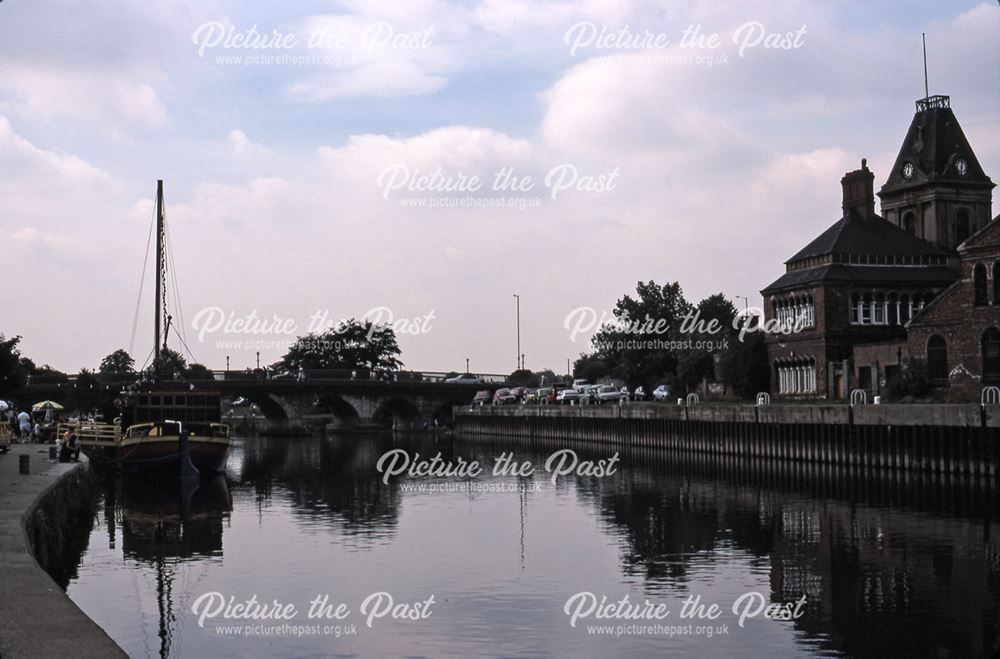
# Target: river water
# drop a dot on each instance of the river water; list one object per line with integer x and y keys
{"x": 893, "y": 564}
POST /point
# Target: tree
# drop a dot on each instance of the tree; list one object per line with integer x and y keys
{"x": 87, "y": 392}
{"x": 169, "y": 363}
{"x": 350, "y": 345}
{"x": 522, "y": 377}
{"x": 119, "y": 364}
{"x": 11, "y": 370}
{"x": 198, "y": 372}
{"x": 590, "y": 368}
{"x": 744, "y": 367}
{"x": 636, "y": 346}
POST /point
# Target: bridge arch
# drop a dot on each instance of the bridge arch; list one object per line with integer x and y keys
{"x": 343, "y": 412}
{"x": 397, "y": 413}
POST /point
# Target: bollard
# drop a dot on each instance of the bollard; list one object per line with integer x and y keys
{"x": 24, "y": 463}
{"x": 877, "y": 400}
{"x": 53, "y": 452}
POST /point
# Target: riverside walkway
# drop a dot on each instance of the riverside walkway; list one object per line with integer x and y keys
{"x": 37, "y": 619}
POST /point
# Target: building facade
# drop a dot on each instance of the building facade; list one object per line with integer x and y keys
{"x": 850, "y": 302}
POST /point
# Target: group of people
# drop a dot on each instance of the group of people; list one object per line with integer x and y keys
{"x": 26, "y": 428}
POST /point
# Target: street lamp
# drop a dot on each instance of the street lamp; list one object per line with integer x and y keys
{"x": 227, "y": 363}
{"x": 517, "y": 357}
{"x": 258, "y": 360}
{"x": 467, "y": 365}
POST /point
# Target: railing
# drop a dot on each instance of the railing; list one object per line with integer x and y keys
{"x": 92, "y": 433}
{"x": 859, "y": 395}
{"x": 763, "y": 398}
{"x": 990, "y": 396}
{"x": 692, "y": 399}
{"x": 70, "y": 380}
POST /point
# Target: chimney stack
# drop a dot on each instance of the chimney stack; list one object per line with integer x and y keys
{"x": 859, "y": 191}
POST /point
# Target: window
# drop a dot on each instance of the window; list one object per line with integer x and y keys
{"x": 878, "y": 314}
{"x": 991, "y": 355}
{"x": 979, "y": 284}
{"x": 937, "y": 358}
{"x": 962, "y": 228}
{"x": 996, "y": 282}
{"x": 866, "y": 310}
{"x": 855, "y": 309}
{"x": 910, "y": 223}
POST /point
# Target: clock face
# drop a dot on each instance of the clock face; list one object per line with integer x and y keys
{"x": 908, "y": 171}
{"x": 961, "y": 167}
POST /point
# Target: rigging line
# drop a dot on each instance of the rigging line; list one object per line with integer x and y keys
{"x": 182, "y": 335}
{"x": 144, "y": 363}
{"x": 142, "y": 281}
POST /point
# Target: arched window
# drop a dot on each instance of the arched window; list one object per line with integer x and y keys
{"x": 937, "y": 358}
{"x": 996, "y": 282}
{"x": 910, "y": 223}
{"x": 866, "y": 309}
{"x": 962, "y": 227}
{"x": 991, "y": 355}
{"x": 979, "y": 284}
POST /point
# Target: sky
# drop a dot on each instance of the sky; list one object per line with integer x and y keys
{"x": 422, "y": 162}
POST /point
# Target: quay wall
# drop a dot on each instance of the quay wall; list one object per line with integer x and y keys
{"x": 959, "y": 439}
{"x": 39, "y": 513}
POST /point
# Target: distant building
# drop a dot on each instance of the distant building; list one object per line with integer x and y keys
{"x": 872, "y": 292}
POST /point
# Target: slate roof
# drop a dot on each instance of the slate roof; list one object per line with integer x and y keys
{"x": 932, "y": 144}
{"x": 854, "y": 234}
{"x": 866, "y": 274}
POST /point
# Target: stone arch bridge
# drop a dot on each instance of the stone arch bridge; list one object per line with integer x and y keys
{"x": 316, "y": 403}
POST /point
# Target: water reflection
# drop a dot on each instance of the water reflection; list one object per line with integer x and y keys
{"x": 890, "y": 563}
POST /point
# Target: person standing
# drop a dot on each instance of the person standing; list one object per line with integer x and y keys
{"x": 24, "y": 426}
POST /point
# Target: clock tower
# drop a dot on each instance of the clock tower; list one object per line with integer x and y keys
{"x": 937, "y": 190}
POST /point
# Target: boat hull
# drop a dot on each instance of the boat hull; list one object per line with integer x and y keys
{"x": 207, "y": 454}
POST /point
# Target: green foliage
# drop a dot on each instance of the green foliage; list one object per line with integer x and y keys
{"x": 11, "y": 371}
{"x": 351, "y": 345}
{"x": 911, "y": 382}
{"x": 198, "y": 372}
{"x": 591, "y": 368}
{"x": 119, "y": 364}
{"x": 522, "y": 377}
{"x": 744, "y": 366}
{"x": 170, "y": 363}
{"x": 659, "y": 337}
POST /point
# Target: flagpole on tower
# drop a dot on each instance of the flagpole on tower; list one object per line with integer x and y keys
{"x": 923, "y": 37}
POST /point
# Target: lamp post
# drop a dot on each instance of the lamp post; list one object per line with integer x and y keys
{"x": 466, "y": 365}
{"x": 517, "y": 357}
{"x": 227, "y": 363}
{"x": 258, "y": 360}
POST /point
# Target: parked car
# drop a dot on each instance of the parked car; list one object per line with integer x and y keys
{"x": 482, "y": 397}
{"x": 606, "y": 394}
{"x": 518, "y": 394}
{"x": 640, "y": 393}
{"x": 465, "y": 378}
{"x": 588, "y": 394}
{"x": 499, "y": 395}
{"x": 543, "y": 396}
{"x": 580, "y": 384}
{"x": 567, "y": 396}
{"x": 662, "y": 392}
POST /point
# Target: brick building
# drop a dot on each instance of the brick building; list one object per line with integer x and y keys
{"x": 872, "y": 291}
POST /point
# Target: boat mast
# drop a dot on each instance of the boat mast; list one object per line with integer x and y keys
{"x": 159, "y": 274}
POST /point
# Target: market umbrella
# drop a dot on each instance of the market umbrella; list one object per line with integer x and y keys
{"x": 46, "y": 405}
